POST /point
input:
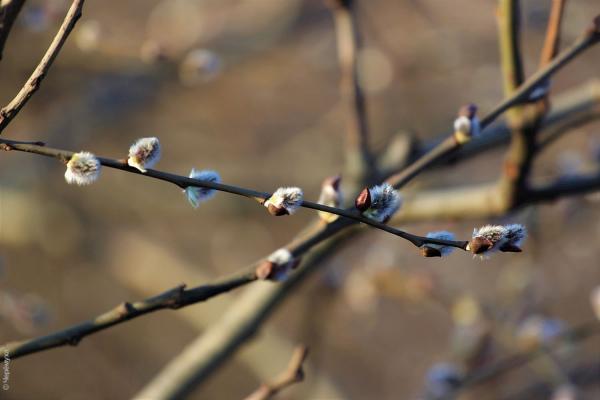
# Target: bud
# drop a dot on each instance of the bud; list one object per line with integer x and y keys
{"x": 363, "y": 201}
{"x": 144, "y": 153}
{"x": 285, "y": 200}
{"x": 331, "y": 196}
{"x": 277, "y": 266}
{"x": 82, "y": 169}
{"x": 197, "y": 195}
{"x": 437, "y": 250}
{"x": 379, "y": 202}
{"x": 467, "y": 125}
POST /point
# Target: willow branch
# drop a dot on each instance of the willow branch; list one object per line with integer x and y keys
{"x": 292, "y": 374}
{"x": 183, "y": 182}
{"x": 577, "y": 103}
{"x": 9, "y": 10}
{"x": 175, "y": 298}
{"x": 33, "y": 83}
{"x": 359, "y": 158}
{"x": 589, "y": 38}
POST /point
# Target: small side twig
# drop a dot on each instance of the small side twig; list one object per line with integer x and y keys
{"x": 9, "y": 10}
{"x": 292, "y": 374}
{"x": 8, "y": 112}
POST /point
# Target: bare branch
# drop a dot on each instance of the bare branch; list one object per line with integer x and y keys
{"x": 292, "y": 374}
{"x": 9, "y": 10}
{"x": 359, "y": 159}
{"x": 175, "y": 298}
{"x": 33, "y": 83}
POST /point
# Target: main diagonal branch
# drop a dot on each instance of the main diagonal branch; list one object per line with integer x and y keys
{"x": 183, "y": 182}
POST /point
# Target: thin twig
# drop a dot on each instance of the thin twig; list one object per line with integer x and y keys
{"x": 9, "y": 10}
{"x": 292, "y": 374}
{"x": 552, "y": 40}
{"x": 33, "y": 83}
{"x": 175, "y": 298}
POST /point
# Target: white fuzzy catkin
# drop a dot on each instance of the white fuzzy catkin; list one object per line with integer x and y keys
{"x": 385, "y": 201}
{"x": 144, "y": 153}
{"x": 441, "y": 235}
{"x": 197, "y": 195}
{"x": 82, "y": 169}
{"x": 284, "y": 262}
{"x": 467, "y": 127}
{"x": 288, "y": 198}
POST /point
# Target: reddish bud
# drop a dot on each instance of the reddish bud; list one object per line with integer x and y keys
{"x": 265, "y": 270}
{"x": 363, "y": 201}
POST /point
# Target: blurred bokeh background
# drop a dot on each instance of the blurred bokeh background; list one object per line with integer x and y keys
{"x": 250, "y": 89}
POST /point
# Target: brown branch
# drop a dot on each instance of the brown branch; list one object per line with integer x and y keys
{"x": 360, "y": 163}
{"x": 9, "y": 10}
{"x": 292, "y": 374}
{"x": 33, "y": 83}
{"x": 175, "y": 298}
{"x": 552, "y": 40}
